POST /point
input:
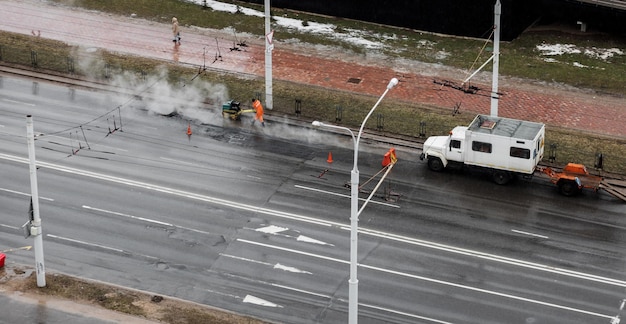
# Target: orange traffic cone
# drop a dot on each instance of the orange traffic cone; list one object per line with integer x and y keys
{"x": 330, "y": 157}
{"x": 189, "y": 130}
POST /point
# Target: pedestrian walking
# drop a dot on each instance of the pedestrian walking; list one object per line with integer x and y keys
{"x": 175, "y": 31}
{"x": 258, "y": 109}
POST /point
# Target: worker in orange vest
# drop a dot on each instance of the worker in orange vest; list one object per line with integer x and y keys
{"x": 258, "y": 109}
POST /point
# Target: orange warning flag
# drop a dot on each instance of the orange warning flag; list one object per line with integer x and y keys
{"x": 330, "y": 157}
{"x": 390, "y": 157}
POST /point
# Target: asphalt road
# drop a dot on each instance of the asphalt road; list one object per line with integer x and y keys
{"x": 237, "y": 217}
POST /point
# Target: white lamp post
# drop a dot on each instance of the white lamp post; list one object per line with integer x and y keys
{"x": 269, "y": 46}
{"x": 35, "y": 230}
{"x": 353, "y": 293}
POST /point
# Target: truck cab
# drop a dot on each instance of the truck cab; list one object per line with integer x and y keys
{"x": 439, "y": 151}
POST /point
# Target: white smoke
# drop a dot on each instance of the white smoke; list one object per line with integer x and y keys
{"x": 193, "y": 100}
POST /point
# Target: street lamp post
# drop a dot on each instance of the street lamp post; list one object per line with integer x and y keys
{"x": 35, "y": 230}
{"x": 353, "y": 283}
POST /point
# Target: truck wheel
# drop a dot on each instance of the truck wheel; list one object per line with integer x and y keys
{"x": 435, "y": 164}
{"x": 501, "y": 177}
{"x": 568, "y": 187}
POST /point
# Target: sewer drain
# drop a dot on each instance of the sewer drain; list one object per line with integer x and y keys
{"x": 354, "y": 80}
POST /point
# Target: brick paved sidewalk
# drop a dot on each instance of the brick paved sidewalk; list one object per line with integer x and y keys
{"x": 574, "y": 109}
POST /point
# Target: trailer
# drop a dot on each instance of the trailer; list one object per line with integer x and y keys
{"x": 574, "y": 177}
{"x": 503, "y": 147}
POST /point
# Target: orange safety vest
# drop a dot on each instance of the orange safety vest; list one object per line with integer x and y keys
{"x": 258, "y": 108}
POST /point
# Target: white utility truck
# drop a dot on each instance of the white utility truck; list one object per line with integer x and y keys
{"x": 503, "y": 147}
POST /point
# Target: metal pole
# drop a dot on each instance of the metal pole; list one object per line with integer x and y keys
{"x": 35, "y": 230}
{"x": 353, "y": 283}
{"x": 496, "y": 59}
{"x": 269, "y": 100}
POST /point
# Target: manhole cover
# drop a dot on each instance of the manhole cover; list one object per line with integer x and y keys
{"x": 354, "y": 80}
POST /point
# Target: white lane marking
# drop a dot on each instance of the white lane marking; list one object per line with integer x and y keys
{"x": 485, "y": 291}
{"x": 493, "y": 257}
{"x": 19, "y": 102}
{"x": 98, "y": 145}
{"x": 327, "y": 297}
{"x": 261, "y": 282}
{"x": 277, "y": 230}
{"x": 60, "y": 137}
{"x": 312, "y": 220}
{"x": 24, "y": 194}
{"x": 290, "y": 269}
{"x": 432, "y": 280}
{"x": 389, "y": 310}
{"x": 261, "y": 302}
{"x": 302, "y": 238}
{"x": 9, "y": 226}
{"x": 87, "y": 243}
{"x": 529, "y": 234}
{"x": 223, "y": 294}
{"x": 303, "y": 291}
{"x": 177, "y": 161}
{"x": 345, "y": 196}
{"x": 129, "y": 216}
{"x": 171, "y": 191}
{"x": 272, "y": 285}
{"x": 245, "y": 259}
{"x": 153, "y": 221}
{"x": 274, "y": 266}
{"x": 313, "y": 255}
{"x": 272, "y": 229}
{"x": 104, "y": 247}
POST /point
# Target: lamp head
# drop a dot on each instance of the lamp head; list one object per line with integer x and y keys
{"x": 392, "y": 83}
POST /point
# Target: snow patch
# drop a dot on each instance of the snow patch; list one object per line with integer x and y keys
{"x": 424, "y": 43}
{"x": 558, "y": 49}
{"x": 352, "y": 36}
{"x": 593, "y": 52}
{"x": 603, "y": 53}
